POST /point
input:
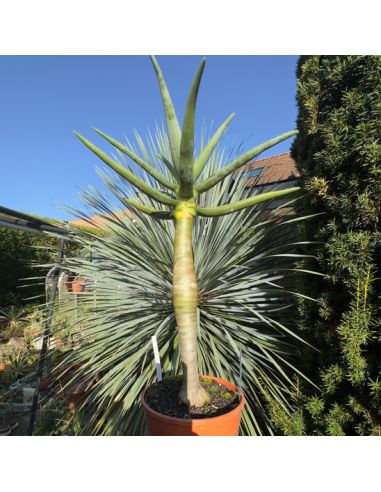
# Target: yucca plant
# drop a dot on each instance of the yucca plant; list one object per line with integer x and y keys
{"x": 13, "y": 320}
{"x": 203, "y": 265}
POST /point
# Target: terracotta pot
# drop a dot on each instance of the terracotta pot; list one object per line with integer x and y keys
{"x": 65, "y": 373}
{"x": 223, "y": 425}
{"x": 56, "y": 343}
{"x": 78, "y": 285}
{"x": 67, "y": 281}
{"x": 45, "y": 382}
{"x": 74, "y": 397}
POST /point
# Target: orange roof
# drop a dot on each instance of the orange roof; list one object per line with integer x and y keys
{"x": 277, "y": 168}
{"x": 99, "y": 221}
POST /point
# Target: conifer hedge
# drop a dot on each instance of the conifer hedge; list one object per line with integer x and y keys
{"x": 338, "y": 151}
{"x": 20, "y": 252}
{"x": 26, "y": 258}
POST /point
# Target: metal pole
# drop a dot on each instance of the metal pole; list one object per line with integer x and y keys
{"x": 48, "y": 322}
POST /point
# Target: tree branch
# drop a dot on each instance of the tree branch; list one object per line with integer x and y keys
{"x": 247, "y": 202}
{"x": 168, "y": 165}
{"x": 173, "y": 127}
{"x": 153, "y": 212}
{"x": 128, "y": 175}
{"x": 186, "y": 172}
{"x": 147, "y": 167}
{"x": 240, "y": 161}
{"x": 208, "y": 149}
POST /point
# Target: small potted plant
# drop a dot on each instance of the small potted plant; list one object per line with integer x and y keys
{"x": 2, "y": 363}
{"x": 13, "y": 320}
{"x": 74, "y": 396}
{"x": 19, "y": 362}
{"x": 4, "y": 357}
{"x": 74, "y": 392}
{"x": 78, "y": 285}
{"x": 180, "y": 199}
{"x": 67, "y": 280}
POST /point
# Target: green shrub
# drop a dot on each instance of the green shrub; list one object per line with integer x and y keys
{"x": 25, "y": 259}
{"x": 20, "y": 253}
{"x": 338, "y": 151}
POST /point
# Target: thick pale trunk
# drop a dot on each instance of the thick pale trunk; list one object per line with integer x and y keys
{"x": 185, "y": 296}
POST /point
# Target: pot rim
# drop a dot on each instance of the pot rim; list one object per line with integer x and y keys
{"x": 178, "y": 421}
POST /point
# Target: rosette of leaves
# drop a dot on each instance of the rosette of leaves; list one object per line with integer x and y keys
{"x": 13, "y": 320}
{"x": 193, "y": 257}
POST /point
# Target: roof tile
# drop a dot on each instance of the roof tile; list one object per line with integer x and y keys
{"x": 278, "y": 168}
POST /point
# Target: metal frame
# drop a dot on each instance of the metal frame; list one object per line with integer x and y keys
{"x": 27, "y": 223}
{"x": 46, "y": 336}
{"x": 20, "y": 221}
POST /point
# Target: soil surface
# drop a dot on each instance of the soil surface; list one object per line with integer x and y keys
{"x": 163, "y": 397}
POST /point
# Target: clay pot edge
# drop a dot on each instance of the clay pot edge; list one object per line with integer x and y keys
{"x": 178, "y": 421}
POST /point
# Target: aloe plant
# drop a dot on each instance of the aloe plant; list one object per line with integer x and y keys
{"x": 180, "y": 190}
{"x": 13, "y": 320}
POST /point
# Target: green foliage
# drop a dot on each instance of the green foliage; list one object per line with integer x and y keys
{"x": 336, "y": 420}
{"x": 95, "y": 231}
{"x": 25, "y": 259}
{"x": 240, "y": 277}
{"x": 13, "y": 320}
{"x": 285, "y": 422}
{"x": 54, "y": 418}
{"x": 331, "y": 377}
{"x": 245, "y": 264}
{"x": 338, "y": 151}
{"x": 315, "y": 407}
{"x": 18, "y": 362}
{"x": 22, "y": 256}
{"x": 177, "y": 181}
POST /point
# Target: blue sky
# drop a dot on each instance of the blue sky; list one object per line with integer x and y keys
{"x": 44, "y": 98}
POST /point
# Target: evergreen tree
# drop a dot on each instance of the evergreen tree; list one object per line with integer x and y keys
{"x": 338, "y": 151}
{"x": 26, "y": 258}
{"x": 20, "y": 253}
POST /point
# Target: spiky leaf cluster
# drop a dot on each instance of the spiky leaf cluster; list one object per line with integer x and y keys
{"x": 184, "y": 185}
{"x": 245, "y": 264}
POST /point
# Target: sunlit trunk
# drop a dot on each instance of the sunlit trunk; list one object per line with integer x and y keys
{"x": 185, "y": 297}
